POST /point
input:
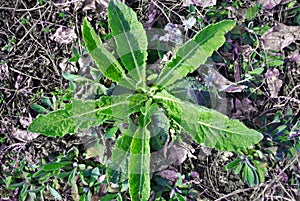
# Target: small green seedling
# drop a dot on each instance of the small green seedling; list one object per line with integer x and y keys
{"x": 136, "y": 106}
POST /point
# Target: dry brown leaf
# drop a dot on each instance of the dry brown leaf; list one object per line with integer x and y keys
{"x": 269, "y": 4}
{"x": 295, "y": 56}
{"x": 274, "y": 83}
{"x": 169, "y": 174}
{"x": 98, "y": 5}
{"x": 64, "y": 35}
{"x": 202, "y": 3}
{"x": 280, "y": 36}
{"x": 74, "y": 190}
{"x": 24, "y": 136}
{"x": 214, "y": 78}
{"x": 173, "y": 153}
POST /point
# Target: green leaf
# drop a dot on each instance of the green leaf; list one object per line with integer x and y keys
{"x": 105, "y": 61}
{"x": 159, "y": 129}
{"x": 109, "y": 197}
{"x": 95, "y": 174}
{"x": 46, "y": 101}
{"x": 72, "y": 176}
{"x": 55, "y": 166}
{"x": 85, "y": 114}
{"x": 250, "y": 176}
{"x": 36, "y": 190}
{"x": 14, "y": 186}
{"x": 251, "y": 12}
{"x": 39, "y": 109}
{"x": 233, "y": 164}
{"x": 257, "y": 71}
{"x": 111, "y": 132}
{"x": 55, "y": 193}
{"x": 194, "y": 53}
{"x": 180, "y": 197}
{"x": 130, "y": 38}
{"x": 118, "y": 168}
{"x": 24, "y": 193}
{"x": 139, "y": 160}
{"x": 139, "y": 164}
{"x": 208, "y": 126}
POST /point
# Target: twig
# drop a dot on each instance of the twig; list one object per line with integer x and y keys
{"x": 22, "y": 10}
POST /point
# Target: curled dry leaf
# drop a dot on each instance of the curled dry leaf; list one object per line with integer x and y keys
{"x": 214, "y": 79}
{"x": 274, "y": 83}
{"x": 168, "y": 174}
{"x": 280, "y": 36}
{"x": 295, "y": 56}
{"x": 3, "y": 71}
{"x": 202, "y": 3}
{"x": 24, "y": 136}
{"x": 64, "y": 35}
{"x": 97, "y": 5}
{"x": 25, "y": 121}
{"x": 172, "y": 153}
{"x": 66, "y": 4}
{"x": 269, "y": 4}
{"x": 151, "y": 15}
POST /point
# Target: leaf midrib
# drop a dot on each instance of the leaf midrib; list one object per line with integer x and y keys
{"x": 200, "y": 122}
{"x": 131, "y": 50}
{"x": 92, "y": 111}
{"x": 184, "y": 58}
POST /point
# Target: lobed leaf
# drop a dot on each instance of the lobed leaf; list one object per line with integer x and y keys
{"x": 105, "y": 61}
{"x": 130, "y": 38}
{"x": 85, "y": 114}
{"x": 208, "y": 126}
{"x": 194, "y": 53}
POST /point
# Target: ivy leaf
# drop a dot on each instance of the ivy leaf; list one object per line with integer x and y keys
{"x": 105, "y": 61}
{"x": 194, "y": 53}
{"x": 208, "y": 126}
{"x": 130, "y": 38}
{"x": 85, "y": 114}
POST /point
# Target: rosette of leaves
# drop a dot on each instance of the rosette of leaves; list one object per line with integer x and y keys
{"x": 139, "y": 102}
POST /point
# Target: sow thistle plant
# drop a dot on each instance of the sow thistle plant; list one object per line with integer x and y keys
{"x": 140, "y": 100}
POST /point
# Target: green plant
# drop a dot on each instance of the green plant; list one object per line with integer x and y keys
{"x": 83, "y": 177}
{"x": 136, "y": 106}
{"x": 253, "y": 171}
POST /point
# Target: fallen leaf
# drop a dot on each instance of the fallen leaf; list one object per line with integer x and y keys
{"x": 202, "y": 3}
{"x": 168, "y": 174}
{"x": 96, "y": 5}
{"x": 24, "y": 136}
{"x": 295, "y": 56}
{"x": 213, "y": 78}
{"x": 280, "y": 36}
{"x": 172, "y": 153}
{"x": 151, "y": 15}
{"x": 25, "y": 121}
{"x": 74, "y": 190}
{"x": 270, "y": 4}
{"x": 64, "y": 35}
{"x": 274, "y": 83}
{"x": 89, "y": 5}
